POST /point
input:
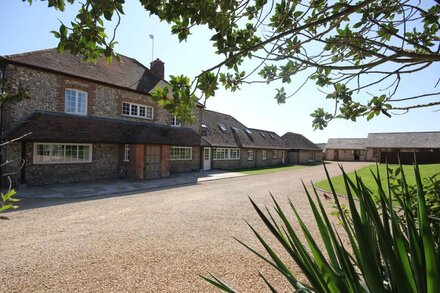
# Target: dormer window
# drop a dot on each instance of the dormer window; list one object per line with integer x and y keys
{"x": 222, "y": 128}
{"x": 249, "y": 134}
{"x": 204, "y": 130}
{"x": 175, "y": 121}
{"x": 76, "y": 102}
{"x": 272, "y": 136}
{"x": 263, "y": 135}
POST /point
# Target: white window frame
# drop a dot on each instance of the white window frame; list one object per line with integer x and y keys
{"x": 250, "y": 155}
{"x": 263, "y": 155}
{"x": 175, "y": 121}
{"x": 132, "y": 106}
{"x": 77, "y": 92}
{"x": 226, "y": 154}
{"x": 51, "y": 150}
{"x": 178, "y": 153}
{"x": 126, "y": 153}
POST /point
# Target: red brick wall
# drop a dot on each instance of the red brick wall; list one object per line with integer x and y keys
{"x": 165, "y": 161}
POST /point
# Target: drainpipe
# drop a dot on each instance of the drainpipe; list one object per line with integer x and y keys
{"x": 2, "y": 76}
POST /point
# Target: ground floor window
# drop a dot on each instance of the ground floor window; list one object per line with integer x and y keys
{"x": 275, "y": 154}
{"x": 250, "y": 155}
{"x": 127, "y": 153}
{"x": 59, "y": 153}
{"x": 226, "y": 154}
{"x": 180, "y": 153}
{"x": 263, "y": 155}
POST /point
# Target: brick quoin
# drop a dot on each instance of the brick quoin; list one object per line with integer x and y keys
{"x": 165, "y": 162}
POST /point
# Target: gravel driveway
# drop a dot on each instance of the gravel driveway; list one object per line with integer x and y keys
{"x": 157, "y": 241}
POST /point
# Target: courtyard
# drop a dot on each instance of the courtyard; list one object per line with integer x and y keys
{"x": 156, "y": 241}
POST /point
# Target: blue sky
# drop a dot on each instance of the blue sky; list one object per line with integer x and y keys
{"x": 27, "y": 28}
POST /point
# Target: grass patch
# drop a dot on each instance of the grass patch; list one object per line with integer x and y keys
{"x": 367, "y": 178}
{"x": 271, "y": 169}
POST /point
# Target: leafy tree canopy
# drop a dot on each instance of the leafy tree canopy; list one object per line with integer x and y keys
{"x": 345, "y": 47}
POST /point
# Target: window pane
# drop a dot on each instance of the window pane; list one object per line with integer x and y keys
{"x": 149, "y": 113}
{"x": 70, "y": 101}
{"x": 134, "y": 110}
{"x": 126, "y": 108}
{"x": 71, "y": 153}
{"x": 57, "y": 154}
{"x": 81, "y": 103}
{"x": 43, "y": 153}
{"x": 141, "y": 111}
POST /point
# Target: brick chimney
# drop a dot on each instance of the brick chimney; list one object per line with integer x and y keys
{"x": 158, "y": 68}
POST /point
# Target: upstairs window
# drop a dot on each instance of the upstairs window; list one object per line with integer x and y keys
{"x": 138, "y": 111}
{"x": 76, "y": 102}
{"x": 175, "y": 121}
{"x": 222, "y": 128}
{"x": 204, "y": 131}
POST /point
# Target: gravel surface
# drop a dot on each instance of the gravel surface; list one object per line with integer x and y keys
{"x": 158, "y": 241}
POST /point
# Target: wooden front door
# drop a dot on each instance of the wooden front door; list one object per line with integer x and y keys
{"x": 152, "y": 161}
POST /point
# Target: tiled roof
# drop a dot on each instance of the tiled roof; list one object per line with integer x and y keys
{"x": 404, "y": 140}
{"x": 129, "y": 73}
{"x": 60, "y": 127}
{"x": 300, "y": 142}
{"x": 216, "y": 137}
{"x": 236, "y": 135}
{"x": 346, "y": 143}
{"x": 263, "y": 139}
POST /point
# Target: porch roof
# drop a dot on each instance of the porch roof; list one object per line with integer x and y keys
{"x": 60, "y": 127}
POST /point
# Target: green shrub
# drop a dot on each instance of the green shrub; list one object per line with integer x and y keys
{"x": 391, "y": 249}
{"x": 7, "y": 202}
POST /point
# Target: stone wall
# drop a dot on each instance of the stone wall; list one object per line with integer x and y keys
{"x": 13, "y": 163}
{"x": 104, "y": 165}
{"x": 43, "y": 89}
{"x": 178, "y": 166}
{"x": 47, "y": 93}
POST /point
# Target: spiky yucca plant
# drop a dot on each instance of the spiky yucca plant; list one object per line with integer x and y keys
{"x": 387, "y": 254}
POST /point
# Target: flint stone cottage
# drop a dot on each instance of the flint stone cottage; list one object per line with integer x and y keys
{"x": 87, "y": 121}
